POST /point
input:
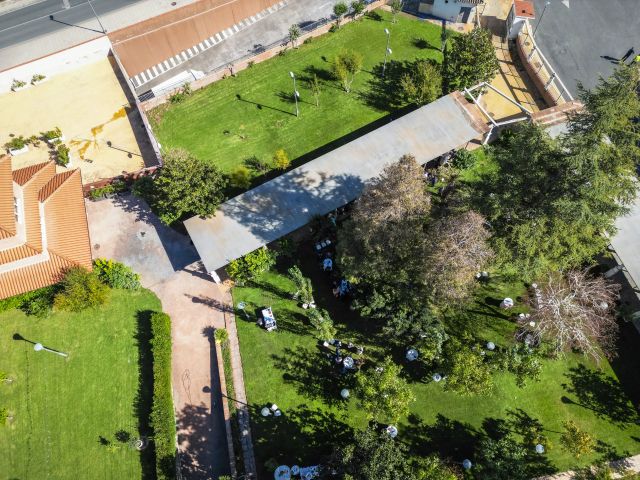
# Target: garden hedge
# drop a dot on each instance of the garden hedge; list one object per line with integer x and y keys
{"x": 162, "y": 416}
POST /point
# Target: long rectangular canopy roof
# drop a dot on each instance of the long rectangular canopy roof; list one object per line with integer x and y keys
{"x": 288, "y": 202}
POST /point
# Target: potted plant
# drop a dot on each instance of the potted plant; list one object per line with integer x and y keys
{"x": 18, "y": 85}
{"x": 37, "y": 78}
{"x": 17, "y": 145}
{"x": 53, "y": 137}
{"x": 63, "y": 156}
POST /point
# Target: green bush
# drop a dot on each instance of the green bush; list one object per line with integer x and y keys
{"x": 62, "y": 158}
{"x": 115, "y": 187}
{"x": 162, "y": 418}
{"x": 16, "y": 143}
{"x": 116, "y": 274}
{"x": 221, "y": 336}
{"x": 181, "y": 94}
{"x": 31, "y": 303}
{"x": 251, "y": 265}
{"x": 463, "y": 159}
{"x": 80, "y": 289}
{"x": 51, "y": 134}
{"x": 240, "y": 177}
{"x": 143, "y": 187}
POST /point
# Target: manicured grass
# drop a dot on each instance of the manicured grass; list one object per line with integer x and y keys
{"x": 253, "y": 114}
{"x": 287, "y": 367}
{"x": 67, "y": 411}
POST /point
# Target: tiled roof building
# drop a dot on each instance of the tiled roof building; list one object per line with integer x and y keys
{"x": 43, "y": 226}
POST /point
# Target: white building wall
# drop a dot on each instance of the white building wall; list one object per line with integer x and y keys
{"x": 447, "y": 10}
{"x": 57, "y": 63}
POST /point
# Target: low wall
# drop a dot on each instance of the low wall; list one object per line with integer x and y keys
{"x": 127, "y": 178}
{"x": 57, "y": 63}
{"x": 534, "y": 73}
{"x": 244, "y": 63}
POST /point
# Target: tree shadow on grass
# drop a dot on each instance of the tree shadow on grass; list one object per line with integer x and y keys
{"x": 602, "y": 394}
{"x": 383, "y": 92}
{"x": 144, "y": 396}
{"x": 301, "y": 436}
{"x": 423, "y": 44}
{"x": 449, "y": 438}
{"x": 313, "y": 375}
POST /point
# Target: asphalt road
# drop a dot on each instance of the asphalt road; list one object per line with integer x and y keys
{"x": 583, "y": 39}
{"x": 33, "y": 21}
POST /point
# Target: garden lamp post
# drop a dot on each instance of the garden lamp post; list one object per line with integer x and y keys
{"x": 387, "y": 51}
{"x": 295, "y": 92}
{"x": 241, "y": 306}
{"x": 466, "y": 464}
{"x": 539, "y": 449}
{"x": 39, "y": 347}
{"x": 546, "y": 4}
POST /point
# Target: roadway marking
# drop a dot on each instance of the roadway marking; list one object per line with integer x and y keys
{"x": 166, "y": 65}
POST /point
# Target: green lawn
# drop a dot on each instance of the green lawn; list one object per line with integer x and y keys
{"x": 67, "y": 411}
{"x": 253, "y": 113}
{"x": 287, "y": 367}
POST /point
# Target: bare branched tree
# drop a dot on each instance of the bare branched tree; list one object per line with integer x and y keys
{"x": 575, "y": 310}
{"x": 457, "y": 250}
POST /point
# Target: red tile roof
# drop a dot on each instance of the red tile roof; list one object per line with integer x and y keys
{"x": 55, "y": 224}
{"x": 524, "y": 9}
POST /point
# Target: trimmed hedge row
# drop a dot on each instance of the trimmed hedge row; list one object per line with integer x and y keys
{"x": 24, "y": 300}
{"x": 162, "y": 417}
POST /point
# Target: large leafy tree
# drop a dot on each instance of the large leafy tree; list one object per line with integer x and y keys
{"x": 471, "y": 60}
{"x": 381, "y": 245}
{"x": 467, "y": 372}
{"x": 422, "y": 84}
{"x": 383, "y": 393}
{"x": 502, "y": 459}
{"x": 370, "y": 456}
{"x": 186, "y": 186}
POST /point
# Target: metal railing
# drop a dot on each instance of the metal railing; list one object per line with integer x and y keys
{"x": 551, "y": 80}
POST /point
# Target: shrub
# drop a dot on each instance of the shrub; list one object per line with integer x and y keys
{"x": 304, "y": 288}
{"x": 17, "y": 84}
{"x": 281, "y": 159}
{"x": 221, "y": 336}
{"x": 240, "y": 177}
{"x": 251, "y": 63}
{"x": 51, "y": 134}
{"x": 143, "y": 187}
{"x": 16, "y": 143}
{"x": 333, "y": 28}
{"x": 113, "y": 188}
{"x": 181, "y": 94}
{"x": 307, "y": 40}
{"x": 37, "y": 77}
{"x": 23, "y": 301}
{"x": 257, "y": 164}
{"x": 324, "y": 325}
{"x": 116, "y": 274}
{"x": 62, "y": 157}
{"x": 162, "y": 420}
{"x": 39, "y": 306}
{"x": 81, "y": 289}
{"x": 251, "y": 265}
{"x": 463, "y": 159}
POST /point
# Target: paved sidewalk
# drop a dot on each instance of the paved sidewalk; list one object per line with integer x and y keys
{"x": 124, "y": 229}
{"x": 43, "y": 36}
{"x": 244, "y": 419}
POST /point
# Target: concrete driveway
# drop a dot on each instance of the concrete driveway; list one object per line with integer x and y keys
{"x": 125, "y": 229}
{"x": 584, "y": 38}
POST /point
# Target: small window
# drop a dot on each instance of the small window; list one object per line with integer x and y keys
{"x": 16, "y": 209}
